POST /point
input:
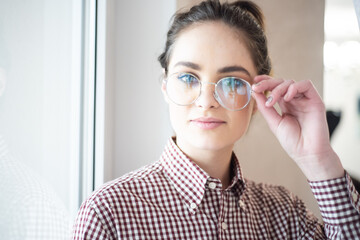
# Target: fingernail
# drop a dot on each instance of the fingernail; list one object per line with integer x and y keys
{"x": 286, "y": 96}
{"x": 255, "y": 85}
{"x": 269, "y": 100}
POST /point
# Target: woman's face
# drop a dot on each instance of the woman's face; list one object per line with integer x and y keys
{"x": 210, "y": 51}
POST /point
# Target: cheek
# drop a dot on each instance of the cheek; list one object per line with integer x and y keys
{"x": 241, "y": 121}
{"x": 178, "y": 116}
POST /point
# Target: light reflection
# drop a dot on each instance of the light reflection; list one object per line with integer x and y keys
{"x": 344, "y": 56}
{"x": 341, "y": 79}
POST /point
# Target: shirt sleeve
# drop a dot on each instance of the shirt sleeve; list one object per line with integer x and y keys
{"x": 339, "y": 204}
{"x": 90, "y": 223}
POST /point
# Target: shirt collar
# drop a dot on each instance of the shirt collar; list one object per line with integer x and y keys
{"x": 189, "y": 179}
{"x": 238, "y": 183}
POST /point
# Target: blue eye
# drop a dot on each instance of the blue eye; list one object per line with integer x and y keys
{"x": 233, "y": 85}
{"x": 188, "y": 78}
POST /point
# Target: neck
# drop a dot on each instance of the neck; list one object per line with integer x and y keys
{"x": 215, "y": 162}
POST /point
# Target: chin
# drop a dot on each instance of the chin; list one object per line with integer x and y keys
{"x": 210, "y": 142}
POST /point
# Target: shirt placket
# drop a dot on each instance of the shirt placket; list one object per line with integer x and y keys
{"x": 223, "y": 224}
{"x": 211, "y": 202}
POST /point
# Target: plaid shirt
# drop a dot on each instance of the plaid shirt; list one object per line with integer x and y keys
{"x": 174, "y": 198}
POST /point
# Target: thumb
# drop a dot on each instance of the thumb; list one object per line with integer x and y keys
{"x": 270, "y": 114}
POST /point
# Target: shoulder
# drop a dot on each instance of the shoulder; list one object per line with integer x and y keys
{"x": 279, "y": 205}
{"x": 270, "y": 195}
{"x": 280, "y": 209}
{"x": 128, "y": 186}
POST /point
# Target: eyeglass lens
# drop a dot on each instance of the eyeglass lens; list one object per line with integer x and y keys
{"x": 232, "y": 93}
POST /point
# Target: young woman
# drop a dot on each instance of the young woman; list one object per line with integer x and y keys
{"x": 216, "y": 71}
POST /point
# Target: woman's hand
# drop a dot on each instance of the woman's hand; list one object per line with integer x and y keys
{"x": 301, "y": 127}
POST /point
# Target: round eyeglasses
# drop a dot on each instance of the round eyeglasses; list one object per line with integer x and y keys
{"x": 231, "y": 92}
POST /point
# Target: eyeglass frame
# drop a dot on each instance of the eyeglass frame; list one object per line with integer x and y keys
{"x": 216, "y": 96}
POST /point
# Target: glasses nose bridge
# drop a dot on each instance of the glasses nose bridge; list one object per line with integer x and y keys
{"x": 213, "y": 91}
{"x": 211, "y": 83}
{"x": 203, "y": 83}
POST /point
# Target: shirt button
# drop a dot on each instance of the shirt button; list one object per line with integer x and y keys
{"x": 192, "y": 205}
{"x": 354, "y": 196}
{"x": 241, "y": 204}
{"x": 212, "y": 185}
{"x": 224, "y": 226}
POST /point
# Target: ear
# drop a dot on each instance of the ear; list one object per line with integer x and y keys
{"x": 163, "y": 86}
{"x": 254, "y": 107}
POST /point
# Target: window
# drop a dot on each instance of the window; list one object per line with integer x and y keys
{"x": 341, "y": 79}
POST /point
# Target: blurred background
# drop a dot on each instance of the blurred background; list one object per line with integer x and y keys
{"x": 80, "y": 96}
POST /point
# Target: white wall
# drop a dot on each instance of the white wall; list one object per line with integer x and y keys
{"x": 141, "y": 127}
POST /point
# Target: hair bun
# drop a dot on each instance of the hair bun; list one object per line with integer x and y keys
{"x": 253, "y": 9}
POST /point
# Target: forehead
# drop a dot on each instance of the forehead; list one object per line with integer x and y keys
{"x": 212, "y": 45}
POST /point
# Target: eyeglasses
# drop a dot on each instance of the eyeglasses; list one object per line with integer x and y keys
{"x": 231, "y": 92}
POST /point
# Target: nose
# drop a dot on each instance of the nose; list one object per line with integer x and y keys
{"x": 207, "y": 99}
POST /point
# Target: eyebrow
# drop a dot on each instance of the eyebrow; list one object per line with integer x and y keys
{"x": 188, "y": 64}
{"x": 227, "y": 69}
{"x": 233, "y": 69}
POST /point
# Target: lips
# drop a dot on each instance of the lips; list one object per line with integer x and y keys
{"x": 207, "y": 122}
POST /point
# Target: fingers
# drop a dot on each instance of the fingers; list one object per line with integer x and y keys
{"x": 289, "y": 94}
{"x": 260, "y": 78}
{"x": 285, "y": 89}
{"x": 278, "y": 88}
{"x": 302, "y": 88}
{"x": 267, "y": 84}
{"x": 278, "y": 92}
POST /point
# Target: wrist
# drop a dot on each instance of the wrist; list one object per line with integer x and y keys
{"x": 321, "y": 167}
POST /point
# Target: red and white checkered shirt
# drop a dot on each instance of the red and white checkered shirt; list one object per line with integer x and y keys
{"x": 174, "y": 198}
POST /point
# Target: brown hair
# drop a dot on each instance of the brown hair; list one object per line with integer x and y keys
{"x": 245, "y": 16}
